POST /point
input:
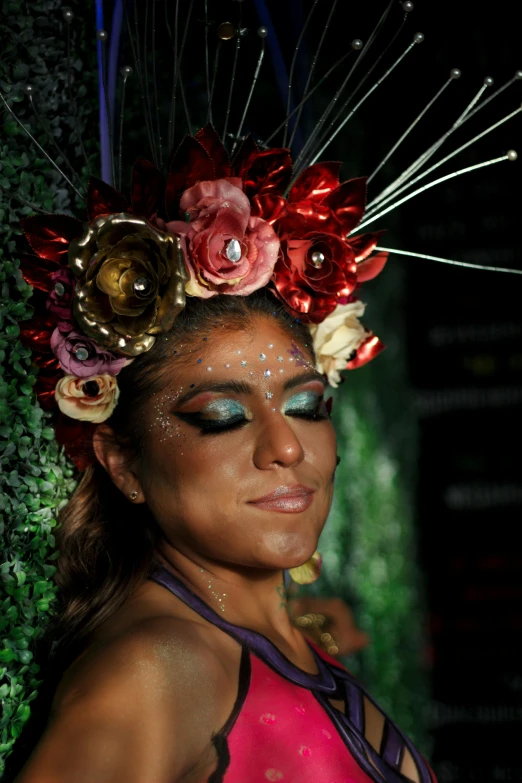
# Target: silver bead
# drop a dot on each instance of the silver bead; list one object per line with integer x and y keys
{"x": 407, "y": 6}
{"x": 59, "y": 289}
{"x": 68, "y": 15}
{"x": 102, "y": 35}
{"x": 262, "y": 32}
{"x": 418, "y": 38}
{"x": 233, "y": 251}
{"x": 518, "y": 74}
{"x": 28, "y": 89}
{"x": 488, "y": 81}
{"x": 357, "y": 44}
{"x": 126, "y": 70}
{"x": 141, "y": 285}
{"x": 455, "y": 73}
{"x": 317, "y": 259}
{"x": 511, "y": 154}
{"x": 81, "y": 353}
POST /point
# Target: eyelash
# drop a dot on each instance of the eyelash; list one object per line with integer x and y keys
{"x": 213, "y": 427}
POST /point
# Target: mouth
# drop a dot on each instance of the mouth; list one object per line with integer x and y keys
{"x": 287, "y": 500}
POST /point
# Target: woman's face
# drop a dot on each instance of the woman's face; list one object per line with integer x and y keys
{"x": 240, "y": 418}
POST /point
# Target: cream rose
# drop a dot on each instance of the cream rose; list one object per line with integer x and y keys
{"x": 336, "y": 338}
{"x": 87, "y": 399}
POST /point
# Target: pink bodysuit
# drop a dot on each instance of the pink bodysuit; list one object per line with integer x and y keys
{"x": 283, "y": 727}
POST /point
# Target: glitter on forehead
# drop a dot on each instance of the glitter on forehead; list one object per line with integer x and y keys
{"x": 251, "y": 373}
{"x": 227, "y": 366}
{"x": 199, "y": 361}
{"x": 298, "y": 355}
{"x": 209, "y": 369}
{"x": 269, "y": 395}
{"x": 271, "y": 345}
{"x": 267, "y": 373}
{"x": 238, "y": 352}
{"x": 281, "y": 370}
{"x": 262, "y": 357}
{"x": 244, "y": 363}
{"x": 280, "y": 359}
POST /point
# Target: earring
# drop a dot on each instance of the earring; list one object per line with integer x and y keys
{"x": 134, "y": 495}
{"x": 309, "y": 571}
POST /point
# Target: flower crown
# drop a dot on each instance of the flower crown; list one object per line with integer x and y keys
{"x": 111, "y": 285}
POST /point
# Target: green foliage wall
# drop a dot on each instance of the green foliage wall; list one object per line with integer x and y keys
{"x": 35, "y": 479}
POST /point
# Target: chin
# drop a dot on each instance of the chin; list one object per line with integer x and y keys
{"x": 289, "y": 549}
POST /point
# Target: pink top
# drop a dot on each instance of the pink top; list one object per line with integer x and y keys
{"x": 283, "y": 726}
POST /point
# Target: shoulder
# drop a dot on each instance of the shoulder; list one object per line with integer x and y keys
{"x": 159, "y": 661}
{"x": 141, "y": 704}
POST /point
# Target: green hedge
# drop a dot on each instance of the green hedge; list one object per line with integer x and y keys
{"x": 35, "y": 478}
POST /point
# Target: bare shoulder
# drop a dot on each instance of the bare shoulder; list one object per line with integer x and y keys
{"x": 140, "y": 704}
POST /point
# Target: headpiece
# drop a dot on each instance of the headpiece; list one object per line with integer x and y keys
{"x": 214, "y": 221}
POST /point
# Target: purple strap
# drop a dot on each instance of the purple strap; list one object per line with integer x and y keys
{"x": 392, "y": 745}
{"x": 323, "y": 682}
{"x": 329, "y": 681}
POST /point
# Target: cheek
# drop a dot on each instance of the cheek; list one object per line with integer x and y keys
{"x": 320, "y": 445}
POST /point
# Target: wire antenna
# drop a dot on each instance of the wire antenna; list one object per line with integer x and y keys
{"x": 417, "y": 39}
{"x": 455, "y": 74}
{"x": 449, "y": 261}
{"x": 39, "y": 146}
{"x": 262, "y": 33}
{"x": 135, "y": 56}
{"x": 69, "y": 16}
{"x": 233, "y": 77}
{"x": 292, "y": 67}
{"x": 125, "y": 72}
{"x": 425, "y": 157}
{"x": 510, "y": 155}
{"x": 435, "y": 166}
{"x": 315, "y": 138}
{"x": 29, "y": 93}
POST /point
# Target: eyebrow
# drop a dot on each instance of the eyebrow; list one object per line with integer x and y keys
{"x": 242, "y": 387}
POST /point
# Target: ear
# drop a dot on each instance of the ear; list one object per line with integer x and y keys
{"x": 116, "y": 462}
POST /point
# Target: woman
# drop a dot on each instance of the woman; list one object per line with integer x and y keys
{"x": 214, "y": 473}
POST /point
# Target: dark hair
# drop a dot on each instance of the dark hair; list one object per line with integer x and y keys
{"x": 107, "y": 544}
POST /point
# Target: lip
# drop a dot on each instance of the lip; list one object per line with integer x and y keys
{"x": 287, "y": 500}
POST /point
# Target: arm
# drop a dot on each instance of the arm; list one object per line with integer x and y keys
{"x": 127, "y": 711}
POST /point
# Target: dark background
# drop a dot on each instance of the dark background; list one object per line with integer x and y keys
{"x": 464, "y": 353}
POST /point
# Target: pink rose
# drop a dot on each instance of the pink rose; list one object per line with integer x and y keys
{"x": 82, "y": 357}
{"x": 227, "y": 250}
{"x": 59, "y": 301}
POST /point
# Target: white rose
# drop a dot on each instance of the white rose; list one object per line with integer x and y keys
{"x": 81, "y": 401}
{"x": 336, "y": 338}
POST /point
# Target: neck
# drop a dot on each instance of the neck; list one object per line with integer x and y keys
{"x": 248, "y": 597}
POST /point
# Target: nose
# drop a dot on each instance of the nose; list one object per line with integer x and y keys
{"x": 277, "y": 444}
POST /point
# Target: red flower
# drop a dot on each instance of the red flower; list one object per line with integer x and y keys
{"x": 312, "y": 273}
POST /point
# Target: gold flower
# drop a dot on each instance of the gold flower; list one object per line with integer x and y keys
{"x": 87, "y": 399}
{"x": 308, "y": 572}
{"x": 131, "y": 282}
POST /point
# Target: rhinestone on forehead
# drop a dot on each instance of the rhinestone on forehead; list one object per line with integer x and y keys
{"x": 262, "y": 357}
{"x": 267, "y": 373}
{"x": 280, "y": 359}
{"x": 269, "y": 395}
{"x": 244, "y": 363}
